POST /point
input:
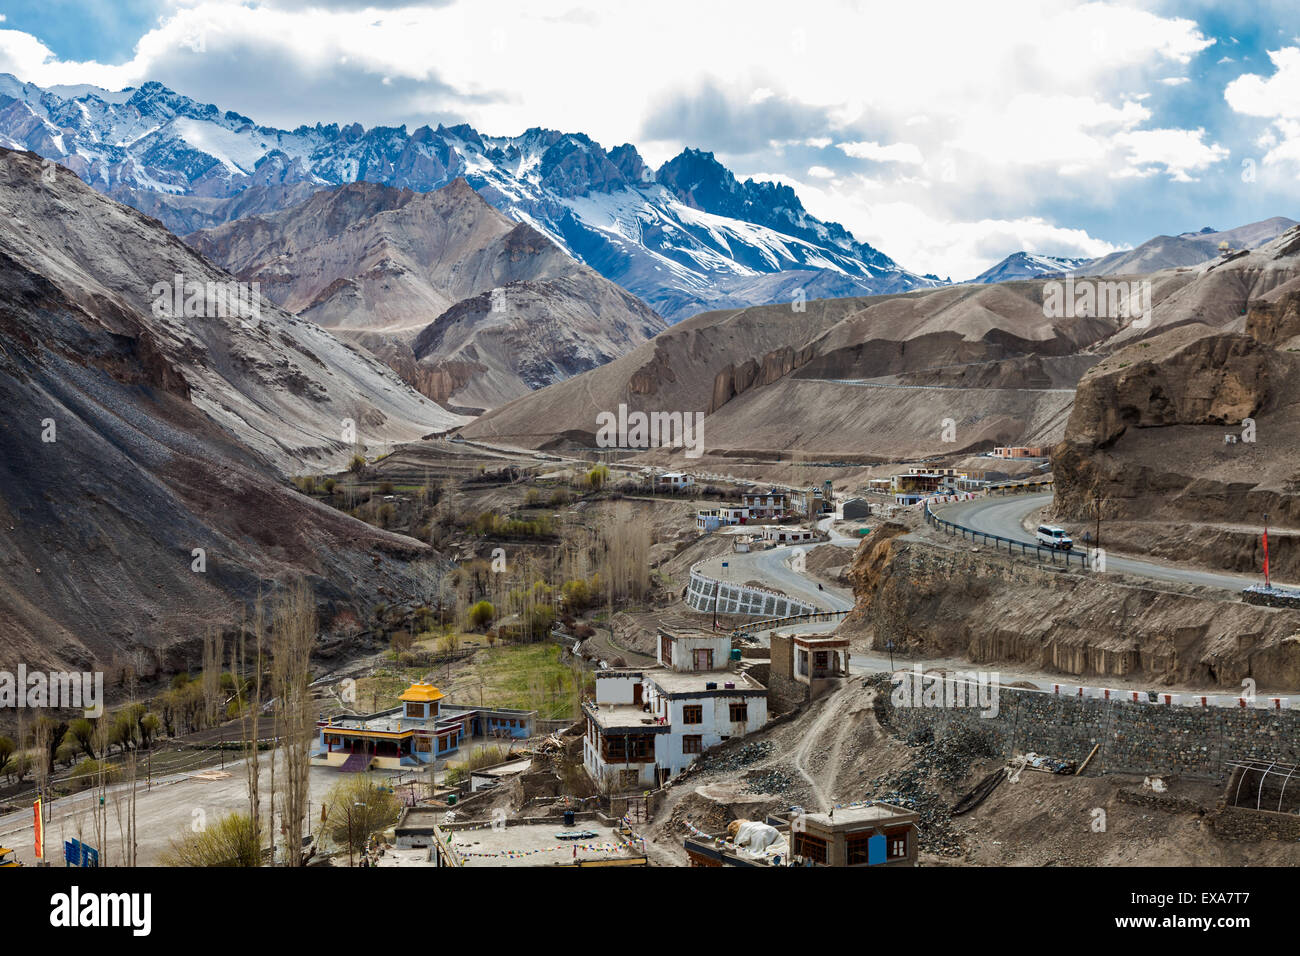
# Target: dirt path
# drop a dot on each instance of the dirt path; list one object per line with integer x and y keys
{"x": 815, "y": 735}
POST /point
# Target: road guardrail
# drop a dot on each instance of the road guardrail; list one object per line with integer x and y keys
{"x": 775, "y": 622}
{"x": 943, "y": 524}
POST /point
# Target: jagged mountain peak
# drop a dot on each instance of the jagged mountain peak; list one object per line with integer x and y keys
{"x": 685, "y": 238}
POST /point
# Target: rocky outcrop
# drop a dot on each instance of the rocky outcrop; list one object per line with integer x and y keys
{"x": 1186, "y": 434}
{"x": 1275, "y": 323}
{"x": 1206, "y": 380}
{"x": 989, "y": 609}
{"x": 736, "y": 379}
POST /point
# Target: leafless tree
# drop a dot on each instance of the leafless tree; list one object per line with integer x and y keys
{"x": 248, "y": 702}
{"x": 213, "y": 652}
{"x": 293, "y": 634}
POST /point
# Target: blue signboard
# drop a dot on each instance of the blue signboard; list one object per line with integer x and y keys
{"x": 76, "y": 853}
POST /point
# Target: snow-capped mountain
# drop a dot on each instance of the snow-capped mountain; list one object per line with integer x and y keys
{"x": 1029, "y": 265}
{"x": 686, "y": 237}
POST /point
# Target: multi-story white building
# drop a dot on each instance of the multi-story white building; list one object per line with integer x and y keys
{"x": 648, "y": 725}
{"x": 766, "y": 504}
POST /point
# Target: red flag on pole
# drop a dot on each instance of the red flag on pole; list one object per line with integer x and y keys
{"x": 1266, "y": 584}
{"x": 39, "y": 830}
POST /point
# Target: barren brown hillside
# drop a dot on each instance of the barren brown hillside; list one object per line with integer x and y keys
{"x": 135, "y": 443}
{"x": 467, "y": 306}
{"x": 1196, "y": 425}
{"x": 765, "y": 376}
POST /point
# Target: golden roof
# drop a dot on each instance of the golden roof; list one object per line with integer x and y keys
{"x": 421, "y": 693}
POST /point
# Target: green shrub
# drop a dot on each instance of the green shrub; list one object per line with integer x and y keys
{"x": 481, "y": 615}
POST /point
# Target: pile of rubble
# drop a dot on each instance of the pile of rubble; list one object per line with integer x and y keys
{"x": 949, "y": 757}
{"x": 744, "y": 756}
{"x": 771, "y": 780}
{"x": 946, "y": 760}
{"x": 909, "y": 788}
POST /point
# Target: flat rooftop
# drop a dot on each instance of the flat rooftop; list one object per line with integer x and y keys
{"x": 623, "y": 717}
{"x": 691, "y": 682}
{"x": 396, "y": 856}
{"x": 850, "y": 816}
{"x": 691, "y": 633}
{"x": 505, "y": 769}
{"x": 815, "y": 640}
{"x": 388, "y": 722}
{"x": 538, "y": 844}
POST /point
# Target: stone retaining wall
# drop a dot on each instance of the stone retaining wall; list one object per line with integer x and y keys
{"x": 1134, "y": 737}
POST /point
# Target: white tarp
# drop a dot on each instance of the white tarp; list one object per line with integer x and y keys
{"x": 759, "y": 838}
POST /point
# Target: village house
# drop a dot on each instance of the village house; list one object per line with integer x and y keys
{"x": 973, "y": 481}
{"x": 425, "y": 837}
{"x": 816, "y": 501}
{"x": 673, "y": 482}
{"x": 856, "y": 508}
{"x": 779, "y": 534}
{"x": 1019, "y": 451}
{"x": 804, "y": 667}
{"x": 771, "y": 504}
{"x": 645, "y": 726}
{"x": 878, "y": 834}
{"x": 711, "y": 519}
{"x": 911, "y": 487}
{"x": 869, "y": 834}
{"x": 422, "y": 729}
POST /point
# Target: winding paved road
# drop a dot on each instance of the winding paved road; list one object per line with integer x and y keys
{"x": 1003, "y": 516}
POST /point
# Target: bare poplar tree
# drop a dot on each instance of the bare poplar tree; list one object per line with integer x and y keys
{"x": 248, "y": 701}
{"x": 41, "y": 733}
{"x": 293, "y": 634}
{"x": 99, "y": 808}
{"x": 212, "y": 661}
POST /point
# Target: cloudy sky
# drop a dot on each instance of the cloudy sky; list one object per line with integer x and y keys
{"x": 946, "y": 134}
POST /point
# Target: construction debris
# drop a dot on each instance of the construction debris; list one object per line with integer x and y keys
{"x": 738, "y": 759}
{"x": 771, "y": 780}
{"x": 981, "y": 792}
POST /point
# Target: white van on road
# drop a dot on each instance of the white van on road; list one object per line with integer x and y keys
{"x": 1050, "y": 536}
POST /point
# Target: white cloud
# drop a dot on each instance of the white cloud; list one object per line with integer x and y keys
{"x": 893, "y": 153}
{"x": 1004, "y": 93}
{"x": 1179, "y": 151}
{"x": 1271, "y": 97}
{"x": 927, "y": 241}
{"x": 1275, "y": 98}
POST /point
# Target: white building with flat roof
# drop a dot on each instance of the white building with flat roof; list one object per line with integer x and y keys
{"x": 646, "y": 726}
{"x": 711, "y": 519}
{"x": 673, "y": 481}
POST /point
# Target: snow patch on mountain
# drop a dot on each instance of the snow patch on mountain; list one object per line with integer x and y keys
{"x": 684, "y": 238}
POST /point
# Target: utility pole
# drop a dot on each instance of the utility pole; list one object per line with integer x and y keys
{"x": 1266, "y": 579}
{"x": 1097, "y": 501}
